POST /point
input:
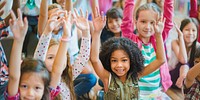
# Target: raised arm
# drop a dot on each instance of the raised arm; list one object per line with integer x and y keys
{"x": 160, "y": 52}
{"x": 69, "y": 5}
{"x": 178, "y": 46}
{"x": 99, "y": 22}
{"x": 193, "y": 9}
{"x": 127, "y": 21}
{"x": 43, "y": 44}
{"x": 19, "y": 28}
{"x": 1, "y": 6}
{"x": 82, "y": 24}
{"x": 168, "y": 14}
{"x": 191, "y": 75}
{"x": 43, "y": 16}
{"x": 61, "y": 59}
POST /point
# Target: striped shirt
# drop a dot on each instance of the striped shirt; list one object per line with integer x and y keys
{"x": 149, "y": 85}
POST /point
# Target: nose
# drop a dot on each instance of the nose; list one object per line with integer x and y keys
{"x": 148, "y": 25}
{"x": 30, "y": 92}
{"x": 119, "y": 64}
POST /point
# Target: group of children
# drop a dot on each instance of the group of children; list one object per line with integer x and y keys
{"x": 131, "y": 64}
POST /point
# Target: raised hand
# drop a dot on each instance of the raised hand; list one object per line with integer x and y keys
{"x": 55, "y": 20}
{"x": 81, "y": 21}
{"x": 1, "y": 6}
{"x": 67, "y": 25}
{"x": 180, "y": 34}
{"x": 159, "y": 25}
{"x": 18, "y": 26}
{"x": 99, "y": 20}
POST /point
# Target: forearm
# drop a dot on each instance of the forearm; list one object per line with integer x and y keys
{"x": 69, "y": 5}
{"x": 183, "y": 71}
{"x": 94, "y": 4}
{"x": 95, "y": 48}
{"x": 59, "y": 64}
{"x": 160, "y": 51}
{"x": 14, "y": 68}
{"x": 182, "y": 51}
{"x": 43, "y": 16}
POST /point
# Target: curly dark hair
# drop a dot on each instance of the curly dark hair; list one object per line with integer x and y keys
{"x": 131, "y": 48}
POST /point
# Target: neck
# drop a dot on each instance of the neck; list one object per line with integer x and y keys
{"x": 144, "y": 39}
{"x": 117, "y": 34}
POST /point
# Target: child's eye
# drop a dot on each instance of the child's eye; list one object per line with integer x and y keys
{"x": 124, "y": 60}
{"x": 49, "y": 57}
{"x": 113, "y": 60}
{"x": 152, "y": 22}
{"x": 143, "y": 21}
{"x": 24, "y": 86}
{"x": 37, "y": 88}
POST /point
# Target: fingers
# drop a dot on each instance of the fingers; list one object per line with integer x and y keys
{"x": 2, "y": 4}
{"x": 19, "y": 13}
{"x": 13, "y": 15}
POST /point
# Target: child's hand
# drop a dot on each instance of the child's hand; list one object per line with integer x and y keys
{"x": 1, "y": 6}
{"x": 159, "y": 25}
{"x": 180, "y": 34}
{"x": 54, "y": 21}
{"x": 99, "y": 20}
{"x": 81, "y": 21}
{"x": 179, "y": 82}
{"x": 67, "y": 25}
{"x": 18, "y": 26}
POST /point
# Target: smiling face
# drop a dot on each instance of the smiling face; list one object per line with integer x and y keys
{"x": 31, "y": 86}
{"x": 114, "y": 25}
{"x": 144, "y": 23}
{"x": 190, "y": 33}
{"x": 120, "y": 63}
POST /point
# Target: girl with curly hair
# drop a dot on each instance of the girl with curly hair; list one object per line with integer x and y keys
{"x": 120, "y": 63}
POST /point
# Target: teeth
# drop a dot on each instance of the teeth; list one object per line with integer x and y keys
{"x": 120, "y": 70}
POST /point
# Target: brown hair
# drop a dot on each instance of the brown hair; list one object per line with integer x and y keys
{"x": 148, "y": 6}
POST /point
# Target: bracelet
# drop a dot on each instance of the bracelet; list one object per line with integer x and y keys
{"x": 66, "y": 39}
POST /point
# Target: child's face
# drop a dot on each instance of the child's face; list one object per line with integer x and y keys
{"x": 144, "y": 23}
{"x": 190, "y": 33}
{"x": 51, "y": 54}
{"x": 114, "y": 25}
{"x": 31, "y": 86}
{"x": 120, "y": 63}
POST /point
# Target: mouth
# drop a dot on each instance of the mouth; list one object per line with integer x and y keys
{"x": 120, "y": 70}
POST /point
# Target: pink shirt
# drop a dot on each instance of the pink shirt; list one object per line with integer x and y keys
{"x": 194, "y": 12}
{"x": 127, "y": 28}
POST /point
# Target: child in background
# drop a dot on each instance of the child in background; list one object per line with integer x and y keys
{"x": 189, "y": 28}
{"x": 113, "y": 22}
{"x": 192, "y": 80}
{"x": 41, "y": 52}
{"x": 120, "y": 62}
{"x": 33, "y": 81}
{"x": 179, "y": 58}
{"x": 158, "y": 81}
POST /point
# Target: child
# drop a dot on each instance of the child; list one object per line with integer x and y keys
{"x": 179, "y": 57}
{"x": 33, "y": 81}
{"x": 120, "y": 62}
{"x": 192, "y": 81}
{"x": 189, "y": 28}
{"x": 146, "y": 15}
{"x": 112, "y": 29}
{"x": 49, "y": 56}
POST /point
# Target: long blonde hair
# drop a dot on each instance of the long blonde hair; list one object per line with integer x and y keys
{"x": 67, "y": 73}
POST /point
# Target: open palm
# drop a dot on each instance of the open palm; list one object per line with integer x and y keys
{"x": 18, "y": 26}
{"x": 99, "y": 20}
{"x": 81, "y": 21}
{"x": 159, "y": 25}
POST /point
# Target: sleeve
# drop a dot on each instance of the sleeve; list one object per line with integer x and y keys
{"x": 82, "y": 58}
{"x": 168, "y": 14}
{"x": 127, "y": 21}
{"x": 7, "y": 97}
{"x": 3, "y": 67}
{"x": 54, "y": 92}
{"x": 42, "y": 47}
{"x": 194, "y": 8}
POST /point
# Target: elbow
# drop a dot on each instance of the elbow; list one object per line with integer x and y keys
{"x": 94, "y": 60}
{"x": 183, "y": 61}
